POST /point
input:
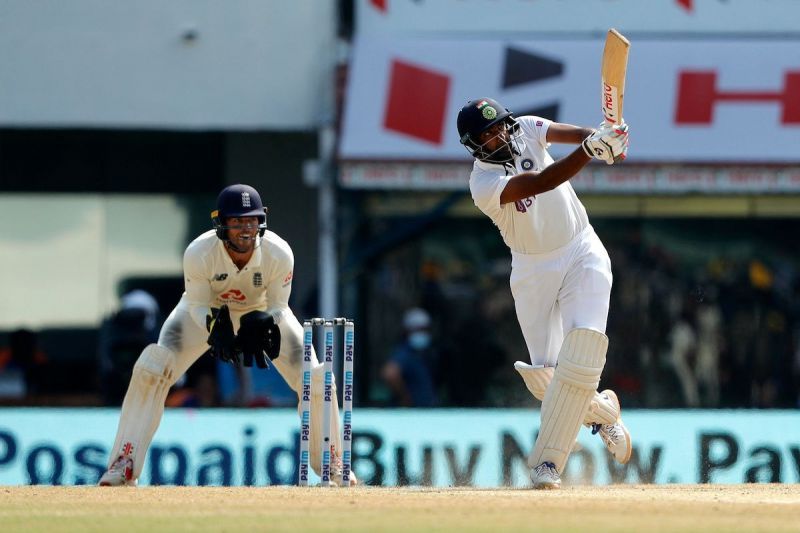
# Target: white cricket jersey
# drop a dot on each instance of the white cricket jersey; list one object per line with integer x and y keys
{"x": 537, "y": 224}
{"x": 212, "y": 279}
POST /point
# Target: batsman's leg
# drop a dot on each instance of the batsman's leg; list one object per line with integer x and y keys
{"x": 615, "y": 435}
{"x": 584, "y": 299}
{"x": 602, "y": 409}
{"x": 575, "y": 380}
{"x": 603, "y": 417}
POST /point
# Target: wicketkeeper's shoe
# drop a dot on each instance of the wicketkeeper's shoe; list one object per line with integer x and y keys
{"x": 336, "y": 474}
{"x": 545, "y": 477}
{"x": 615, "y": 436}
{"x": 119, "y": 473}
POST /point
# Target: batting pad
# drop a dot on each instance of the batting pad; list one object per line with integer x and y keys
{"x": 566, "y": 402}
{"x": 144, "y": 404}
{"x": 315, "y": 429}
{"x": 538, "y": 378}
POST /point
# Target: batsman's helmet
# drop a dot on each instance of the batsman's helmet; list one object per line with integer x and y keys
{"x": 478, "y": 116}
{"x": 238, "y": 201}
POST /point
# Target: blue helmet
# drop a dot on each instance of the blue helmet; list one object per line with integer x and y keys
{"x": 478, "y": 116}
{"x": 238, "y": 201}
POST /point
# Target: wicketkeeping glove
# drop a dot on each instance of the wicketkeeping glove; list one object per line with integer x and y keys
{"x": 221, "y": 337}
{"x": 609, "y": 143}
{"x": 259, "y": 337}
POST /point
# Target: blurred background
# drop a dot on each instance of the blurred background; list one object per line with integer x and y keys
{"x": 120, "y": 123}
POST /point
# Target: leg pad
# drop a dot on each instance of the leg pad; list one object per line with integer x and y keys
{"x": 567, "y": 399}
{"x": 538, "y": 378}
{"x": 153, "y": 375}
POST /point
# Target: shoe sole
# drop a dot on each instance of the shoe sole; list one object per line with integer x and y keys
{"x": 126, "y": 484}
{"x": 613, "y": 395}
{"x": 547, "y": 486}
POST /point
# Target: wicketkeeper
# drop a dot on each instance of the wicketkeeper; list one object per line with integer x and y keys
{"x": 238, "y": 278}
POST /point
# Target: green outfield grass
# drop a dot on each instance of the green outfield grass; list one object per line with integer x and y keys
{"x": 609, "y": 508}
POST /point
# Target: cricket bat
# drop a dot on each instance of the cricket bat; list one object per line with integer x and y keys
{"x": 615, "y": 64}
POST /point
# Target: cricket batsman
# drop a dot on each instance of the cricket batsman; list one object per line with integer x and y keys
{"x": 238, "y": 278}
{"x": 561, "y": 273}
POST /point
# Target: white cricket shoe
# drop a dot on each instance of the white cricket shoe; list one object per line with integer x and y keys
{"x": 120, "y": 473}
{"x": 336, "y": 474}
{"x": 545, "y": 477}
{"x": 615, "y": 436}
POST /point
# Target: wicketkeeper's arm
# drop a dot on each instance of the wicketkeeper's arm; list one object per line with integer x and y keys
{"x": 279, "y": 288}
{"x": 198, "y": 288}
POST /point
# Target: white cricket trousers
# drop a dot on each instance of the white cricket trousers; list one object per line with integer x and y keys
{"x": 188, "y": 341}
{"x": 558, "y": 291}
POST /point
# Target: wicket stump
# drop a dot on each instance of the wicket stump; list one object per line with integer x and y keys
{"x": 348, "y": 345}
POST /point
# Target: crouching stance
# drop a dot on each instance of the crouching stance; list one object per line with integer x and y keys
{"x": 238, "y": 280}
{"x": 560, "y": 271}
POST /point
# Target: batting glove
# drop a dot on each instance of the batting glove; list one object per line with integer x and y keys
{"x": 609, "y": 143}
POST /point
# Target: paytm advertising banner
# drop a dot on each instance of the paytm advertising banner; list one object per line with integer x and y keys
{"x": 481, "y": 447}
{"x": 687, "y": 101}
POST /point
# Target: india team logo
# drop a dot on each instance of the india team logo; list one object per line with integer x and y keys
{"x": 488, "y": 112}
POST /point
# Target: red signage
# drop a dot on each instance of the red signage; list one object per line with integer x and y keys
{"x": 417, "y": 101}
{"x": 698, "y": 94}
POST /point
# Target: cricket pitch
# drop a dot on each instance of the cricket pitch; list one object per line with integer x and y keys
{"x": 618, "y": 508}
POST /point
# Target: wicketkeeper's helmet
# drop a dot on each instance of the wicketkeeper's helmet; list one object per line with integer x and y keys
{"x": 238, "y": 201}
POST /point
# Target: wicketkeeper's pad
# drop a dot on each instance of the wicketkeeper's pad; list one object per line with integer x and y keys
{"x": 153, "y": 375}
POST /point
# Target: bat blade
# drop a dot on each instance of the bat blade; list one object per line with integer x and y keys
{"x": 615, "y": 65}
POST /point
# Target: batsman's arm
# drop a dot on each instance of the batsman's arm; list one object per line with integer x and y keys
{"x": 609, "y": 144}
{"x": 567, "y": 133}
{"x": 531, "y": 183}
